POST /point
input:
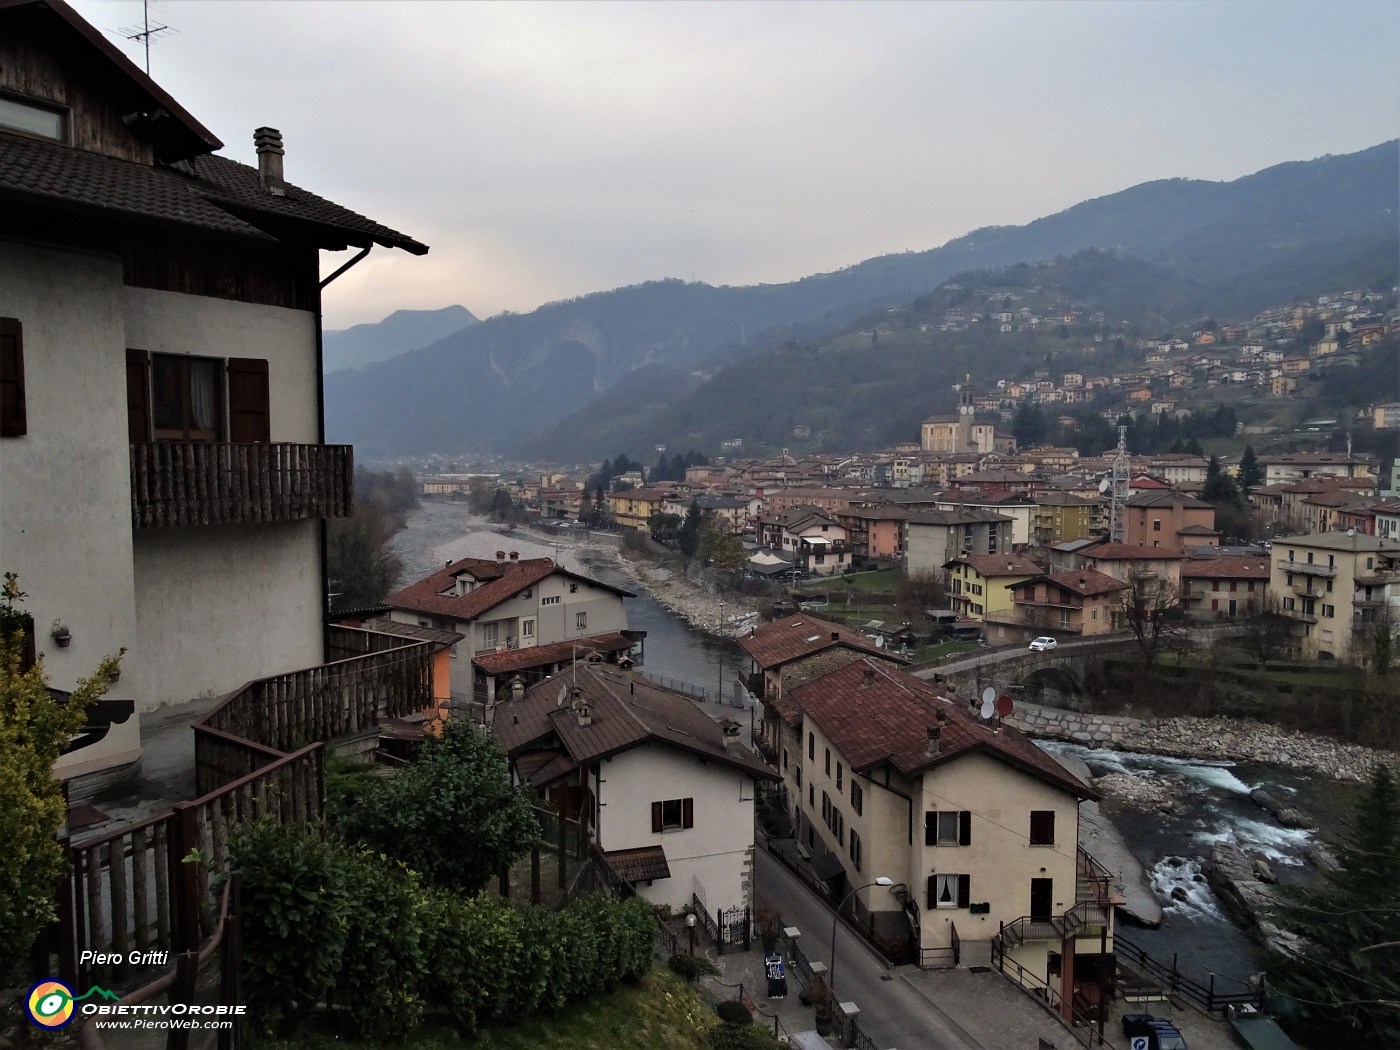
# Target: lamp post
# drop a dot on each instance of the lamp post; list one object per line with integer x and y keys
{"x": 831, "y": 974}
{"x": 719, "y": 696}
{"x": 690, "y": 925}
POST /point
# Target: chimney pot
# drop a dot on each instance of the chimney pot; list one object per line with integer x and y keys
{"x": 500, "y": 555}
{"x": 835, "y": 636}
{"x": 934, "y": 735}
{"x": 268, "y": 143}
{"x": 514, "y": 555}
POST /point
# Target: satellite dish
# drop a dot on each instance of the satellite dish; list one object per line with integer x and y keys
{"x": 563, "y": 692}
{"x": 988, "y": 709}
{"x": 1104, "y": 485}
{"x": 1004, "y": 705}
{"x": 988, "y": 695}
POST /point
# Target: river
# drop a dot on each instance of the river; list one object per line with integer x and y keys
{"x": 1213, "y": 804}
{"x": 440, "y": 531}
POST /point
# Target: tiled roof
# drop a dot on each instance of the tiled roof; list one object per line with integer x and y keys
{"x": 961, "y": 516}
{"x": 795, "y": 637}
{"x": 643, "y": 864}
{"x": 627, "y": 710}
{"x": 1226, "y": 569}
{"x": 1166, "y": 498}
{"x": 208, "y": 192}
{"x": 509, "y": 660}
{"x": 993, "y": 565}
{"x": 497, "y": 581}
{"x": 384, "y": 625}
{"x": 874, "y": 714}
{"x": 1130, "y": 552}
{"x": 1087, "y": 583}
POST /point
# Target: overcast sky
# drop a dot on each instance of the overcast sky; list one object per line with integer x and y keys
{"x": 549, "y": 150}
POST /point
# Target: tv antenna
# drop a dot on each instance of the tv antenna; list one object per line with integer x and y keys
{"x": 1118, "y": 489}
{"x": 145, "y": 31}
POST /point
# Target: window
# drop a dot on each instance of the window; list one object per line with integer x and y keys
{"x": 811, "y": 796}
{"x": 811, "y": 747}
{"x": 1042, "y": 827}
{"x": 948, "y": 828}
{"x": 488, "y": 635}
{"x": 185, "y": 398}
{"x": 799, "y": 776}
{"x": 527, "y": 628}
{"x": 855, "y": 850}
{"x": 553, "y": 600}
{"x": 857, "y": 797}
{"x": 673, "y": 814}
{"x": 573, "y": 588}
{"x": 949, "y": 891}
{"x": 828, "y": 761}
{"x": 1233, "y": 586}
{"x": 1329, "y": 610}
{"x": 1156, "y": 524}
{"x": 581, "y": 621}
{"x": 13, "y": 419}
{"x": 838, "y": 776}
{"x": 33, "y": 118}
{"x": 785, "y": 762}
{"x": 1215, "y": 605}
{"x": 826, "y": 808}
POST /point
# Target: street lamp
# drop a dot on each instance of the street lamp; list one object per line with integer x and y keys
{"x": 831, "y": 974}
{"x": 690, "y": 925}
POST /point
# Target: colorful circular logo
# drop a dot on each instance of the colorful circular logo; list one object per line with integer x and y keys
{"x": 50, "y": 1004}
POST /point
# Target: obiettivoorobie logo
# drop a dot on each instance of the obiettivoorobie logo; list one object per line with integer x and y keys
{"x": 50, "y": 1004}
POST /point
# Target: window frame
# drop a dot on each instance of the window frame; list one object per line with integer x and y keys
{"x": 662, "y": 813}
{"x": 961, "y": 895}
{"x": 1042, "y": 829}
{"x": 14, "y": 411}
{"x": 934, "y": 821}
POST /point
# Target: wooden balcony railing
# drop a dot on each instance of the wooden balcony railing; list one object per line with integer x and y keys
{"x": 176, "y": 483}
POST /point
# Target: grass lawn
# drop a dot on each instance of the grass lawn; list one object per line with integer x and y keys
{"x": 934, "y": 652}
{"x": 661, "y": 1012}
{"x": 883, "y": 580}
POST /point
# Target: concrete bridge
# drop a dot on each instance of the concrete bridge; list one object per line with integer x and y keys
{"x": 1061, "y": 670}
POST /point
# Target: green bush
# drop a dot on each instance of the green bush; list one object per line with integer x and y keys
{"x": 692, "y": 967}
{"x": 458, "y": 790}
{"x": 731, "y": 1011}
{"x": 742, "y": 1037}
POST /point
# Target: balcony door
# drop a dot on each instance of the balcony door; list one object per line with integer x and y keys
{"x": 174, "y": 397}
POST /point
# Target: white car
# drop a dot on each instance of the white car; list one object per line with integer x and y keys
{"x": 1040, "y": 645}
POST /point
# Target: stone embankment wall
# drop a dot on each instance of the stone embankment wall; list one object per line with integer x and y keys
{"x": 1234, "y": 739}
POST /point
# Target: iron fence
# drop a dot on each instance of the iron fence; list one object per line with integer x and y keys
{"x": 1208, "y": 995}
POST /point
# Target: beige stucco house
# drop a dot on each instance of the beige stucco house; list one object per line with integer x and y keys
{"x": 976, "y": 826}
{"x": 1332, "y": 585}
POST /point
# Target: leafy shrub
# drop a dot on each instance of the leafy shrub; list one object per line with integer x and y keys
{"x": 731, "y": 1011}
{"x": 692, "y": 967}
{"x": 457, "y": 791}
{"x": 742, "y": 1037}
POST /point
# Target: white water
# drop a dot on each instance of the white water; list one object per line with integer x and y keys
{"x": 1208, "y": 773}
{"x": 1184, "y": 873}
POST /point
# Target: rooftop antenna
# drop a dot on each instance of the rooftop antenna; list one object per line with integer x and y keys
{"x": 1118, "y": 489}
{"x": 145, "y": 31}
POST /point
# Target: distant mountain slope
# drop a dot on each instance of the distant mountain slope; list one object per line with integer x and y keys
{"x": 399, "y": 333}
{"x": 500, "y": 384}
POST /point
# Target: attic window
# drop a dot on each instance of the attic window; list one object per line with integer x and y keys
{"x": 33, "y": 118}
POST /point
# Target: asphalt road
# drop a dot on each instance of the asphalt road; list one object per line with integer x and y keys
{"x": 893, "y": 1013}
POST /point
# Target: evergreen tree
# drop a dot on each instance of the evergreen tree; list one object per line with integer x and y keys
{"x": 1194, "y": 447}
{"x": 688, "y": 539}
{"x": 1251, "y": 473}
{"x": 1219, "y": 488}
{"x": 662, "y": 471}
{"x": 1344, "y": 974}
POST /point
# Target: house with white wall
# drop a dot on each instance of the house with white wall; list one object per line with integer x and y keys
{"x": 659, "y": 787}
{"x": 166, "y": 476}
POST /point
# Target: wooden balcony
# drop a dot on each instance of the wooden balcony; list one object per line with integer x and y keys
{"x": 176, "y": 483}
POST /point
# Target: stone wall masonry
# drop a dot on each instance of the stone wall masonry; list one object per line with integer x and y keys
{"x": 1234, "y": 739}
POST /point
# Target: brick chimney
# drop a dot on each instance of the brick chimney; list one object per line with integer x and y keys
{"x": 514, "y": 555}
{"x": 268, "y": 143}
{"x": 500, "y": 555}
{"x": 935, "y": 733}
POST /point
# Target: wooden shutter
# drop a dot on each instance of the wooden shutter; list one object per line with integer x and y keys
{"x": 930, "y": 828}
{"x": 964, "y": 890}
{"x": 964, "y": 828}
{"x": 13, "y": 417}
{"x": 656, "y": 816}
{"x": 1042, "y": 827}
{"x": 687, "y": 812}
{"x": 248, "y": 415}
{"x": 932, "y": 892}
{"x": 138, "y": 396}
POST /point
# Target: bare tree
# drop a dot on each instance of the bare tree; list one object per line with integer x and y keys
{"x": 1150, "y": 607}
{"x": 919, "y": 591}
{"x": 1268, "y": 633}
{"x": 1377, "y": 637}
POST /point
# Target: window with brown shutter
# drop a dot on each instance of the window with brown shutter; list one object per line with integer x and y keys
{"x": 656, "y": 816}
{"x": 187, "y": 398}
{"x": 1042, "y": 827}
{"x": 138, "y": 396}
{"x": 248, "y": 401}
{"x": 13, "y": 415}
{"x": 673, "y": 813}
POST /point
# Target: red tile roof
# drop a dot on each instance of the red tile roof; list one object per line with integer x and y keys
{"x": 1085, "y": 582}
{"x": 794, "y": 637}
{"x": 874, "y": 714}
{"x": 496, "y": 582}
{"x": 508, "y": 660}
{"x": 992, "y": 565}
{"x": 1227, "y": 568}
